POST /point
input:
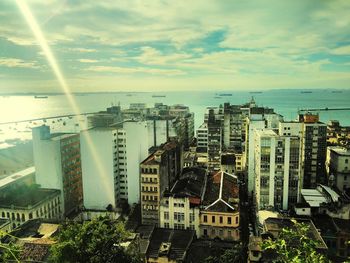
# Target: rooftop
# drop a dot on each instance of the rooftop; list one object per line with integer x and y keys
{"x": 171, "y": 243}
{"x": 340, "y": 150}
{"x": 26, "y": 198}
{"x": 222, "y": 193}
{"x": 313, "y": 197}
{"x": 16, "y": 176}
{"x": 275, "y": 226}
{"x": 190, "y": 184}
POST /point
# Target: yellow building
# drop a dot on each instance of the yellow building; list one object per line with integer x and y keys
{"x": 219, "y": 217}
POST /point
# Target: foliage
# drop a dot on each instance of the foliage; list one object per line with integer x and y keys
{"x": 294, "y": 245}
{"x": 97, "y": 240}
{"x": 228, "y": 256}
{"x": 8, "y": 251}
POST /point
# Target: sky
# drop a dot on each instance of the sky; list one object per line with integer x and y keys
{"x": 159, "y": 45}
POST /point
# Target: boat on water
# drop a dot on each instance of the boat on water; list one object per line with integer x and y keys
{"x": 40, "y": 97}
{"x": 255, "y": 92}
{"x": 306, "y": 91}
{"x": 225, "y": 94}
{"x": 158, "y": 96}
{"x": 337, "y": 91}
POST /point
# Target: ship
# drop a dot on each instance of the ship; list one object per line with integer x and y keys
{"x": 225, "y": 94}
{"x": 158, "y": 96}
{"x": 255, "y": 92}
{"x": 40, "y": 97}
{"x": 306, "y": 91}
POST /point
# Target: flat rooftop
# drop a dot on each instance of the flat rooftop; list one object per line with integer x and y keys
{"x": 16, "y": 176}
{"x": 29, "y": 197}
{"x": 313, "y": 197}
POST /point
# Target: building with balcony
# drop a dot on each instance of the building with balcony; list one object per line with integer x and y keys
{"x": 158, "y": 173}
{"x": 277, "y": 170}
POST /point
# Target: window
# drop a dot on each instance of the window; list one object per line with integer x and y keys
{"x": 166, "y": 215}
{"x": 191, "y": 217}
{"x": 236, "y": 219}
{"x": 205, "y": 232}
{"x": 205, "y": 219}
{"x": 221, "y": 220}
{"x": 166, "y": 225}
{"x": 213, "y": 219}
{"x": 229, "y": 220}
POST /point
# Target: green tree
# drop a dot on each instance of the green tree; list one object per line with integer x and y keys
{"x": 97, "y": 240}
{"x": 8, "y": 251}
{"x": 294, "y": 245}
{"x": 233, "y": 255}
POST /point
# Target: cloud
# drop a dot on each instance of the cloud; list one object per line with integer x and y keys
{"x": 84, "y": 60}
{"x": 125, "y": 70}
{"x": 83, "y": 50}
{"x": 18, "y": 63}
{"x": 344, "y": 50}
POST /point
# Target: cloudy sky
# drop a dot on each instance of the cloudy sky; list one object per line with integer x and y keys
{"x": 138, "y": 45}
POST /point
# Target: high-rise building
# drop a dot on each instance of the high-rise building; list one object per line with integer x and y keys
{"x": 277, "y": 169}
{"x": 214, "y": 141}
{"x": 58, "y": 165}
{"x": 314, "y": 148}
{"x": 158, "y": 173}
{"x": 110, "y": 164}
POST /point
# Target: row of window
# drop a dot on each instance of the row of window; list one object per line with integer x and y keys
{"x": 221, "y": 219}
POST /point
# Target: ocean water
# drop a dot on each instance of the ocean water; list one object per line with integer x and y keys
{"x": 285, "y": 102}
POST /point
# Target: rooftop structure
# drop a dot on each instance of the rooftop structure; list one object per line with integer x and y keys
{"x": 23, "y": 175}
{"x": 169, "y": 245}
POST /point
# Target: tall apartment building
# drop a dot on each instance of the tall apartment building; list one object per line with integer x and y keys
{"x": 214, "y": 141}
{"x": 314, "y": 148}
{"x": 202, "y": 138}
{"x": 180, "y": 206}
{"x": 338, "y": 166}
{"x": 277, "y": 169}
{"x": 58, "y": 165}
{"x": 158, "y": 173}
{"x": 259, "y": 119}
{"x": 110, "y": 164}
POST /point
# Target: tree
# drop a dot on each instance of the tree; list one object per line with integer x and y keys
{"x": 9, "y": 250}
{"x": 294, "y": 245}
{"x": 233, "y": 255}
{"x": 97, "y": 240}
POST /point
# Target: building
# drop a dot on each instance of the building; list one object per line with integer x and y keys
{"x": 17, "y": 180}
{"x": 110, "y": 164}
{"x": 338, "y": 167}
{"x": 219, "y": 216}
{"x": 158, "y": 173}
{"x": 5, "y": 225}
{"x": 107, "y": 118}
{"x": 58, "y": 165}
{"x": 28, "y": 203}
{"x": 259, "y": 118}
{"x": 337, "y": 134}
{"x": 277, "y": 170}
{"x": 313, "y": 150}
{"x": 214, "y": 141}
{"x": 180, "y": 206}
{"x": 165, "y": 245}
{"x": 202, "y": 138}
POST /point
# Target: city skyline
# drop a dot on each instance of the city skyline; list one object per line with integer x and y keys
{"x": 177, "y": 46}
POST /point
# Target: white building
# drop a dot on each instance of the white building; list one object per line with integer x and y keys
{"x": 110, "y": 163}
{"x": 277, "y": 169}
{"x": 58, "y": 165}
{"x": 180, "y": 207}
{"x": 338, "y": 166}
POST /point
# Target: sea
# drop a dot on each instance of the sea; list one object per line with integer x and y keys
{"x": 17, "y": 113}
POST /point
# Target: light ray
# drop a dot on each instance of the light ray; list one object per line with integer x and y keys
{"x": 32, "y": 23}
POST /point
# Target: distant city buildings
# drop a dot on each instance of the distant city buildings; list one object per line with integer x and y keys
{"x": 338, "y": 167}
